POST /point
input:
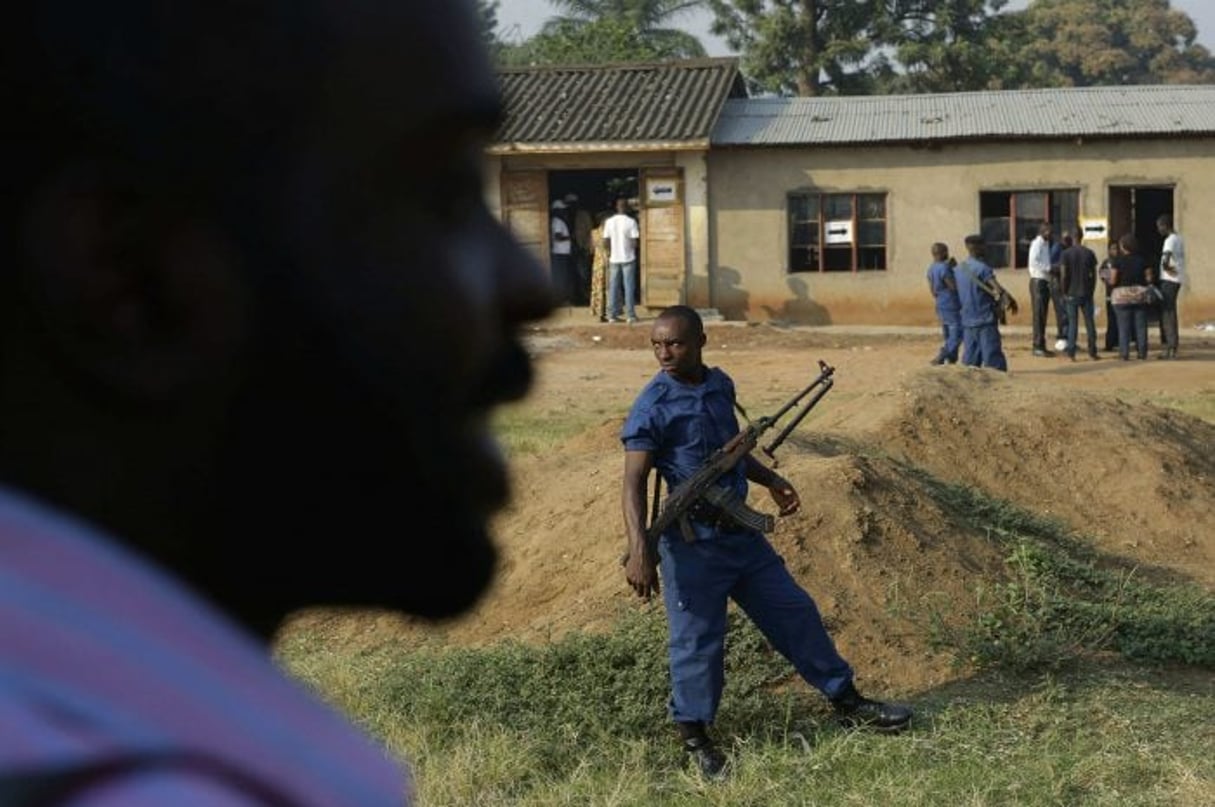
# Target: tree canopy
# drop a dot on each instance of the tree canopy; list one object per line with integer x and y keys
{"x": 1093, "y": 42}
{"x": 804, "y": 47}
{"x": 813, "y": 47}
{"x": 952, "y": 46}
{"x": 599, "y": 31}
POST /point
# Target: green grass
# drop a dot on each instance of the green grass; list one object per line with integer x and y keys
{"x": 516, "y": 726}
{"x": 523, "y": 431}
{"x": 1060, "y": 601}
{"x": 1091, "y": 687}
{"x": 1200, "y": 404}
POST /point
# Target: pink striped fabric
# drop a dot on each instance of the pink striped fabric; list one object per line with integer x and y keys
{"x": 104, "y": 658}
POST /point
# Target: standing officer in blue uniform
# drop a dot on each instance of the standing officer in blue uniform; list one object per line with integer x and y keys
{"x": 977, "y": 286}
{"x": 682, "y": 416}
{"x": 949, "y": 310}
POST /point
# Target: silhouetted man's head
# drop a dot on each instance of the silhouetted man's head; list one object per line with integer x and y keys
{"x": 257, "y": 314}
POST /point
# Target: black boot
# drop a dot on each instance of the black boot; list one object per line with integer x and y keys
{"x": 853, "y": 710}
{"x": 704, "y": 752}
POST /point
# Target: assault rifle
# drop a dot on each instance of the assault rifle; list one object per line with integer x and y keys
{"x": 700, "y": 488}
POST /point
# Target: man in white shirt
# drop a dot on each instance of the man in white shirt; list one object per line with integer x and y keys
{"x": 561, "y": 250}
{"x": 621, "y": 235}
{"x": 1172, "y": 275}
{"x": 1039, "y": 286}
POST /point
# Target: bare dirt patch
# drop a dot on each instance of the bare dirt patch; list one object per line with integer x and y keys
{"x": 1097, "y": 445}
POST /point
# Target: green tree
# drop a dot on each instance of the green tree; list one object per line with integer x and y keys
{"x": 644, "y": 15}
{"x": 488, "y": 12}
{"x": 598, "y": 31}
{"x": 1109, "y": 42}
{"x": 953, "y": 46}
{"x": 807, "y": 47}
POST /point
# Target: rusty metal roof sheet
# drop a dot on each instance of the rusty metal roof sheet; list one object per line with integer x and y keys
{"x": 651, "y": 105}
{"x": 1139, "y": 111}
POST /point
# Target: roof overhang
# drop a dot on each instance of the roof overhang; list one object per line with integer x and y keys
{"x": 503, "y": 149}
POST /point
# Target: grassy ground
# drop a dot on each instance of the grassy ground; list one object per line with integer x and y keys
{"x": 1085, "y": 686}
{"x": 1200, "y": 405}
{"x": 505, "y": 727}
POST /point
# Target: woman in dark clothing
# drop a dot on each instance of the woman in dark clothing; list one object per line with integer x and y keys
{"x": 1129, "y": 279}
{"x": 1104, "y": 272}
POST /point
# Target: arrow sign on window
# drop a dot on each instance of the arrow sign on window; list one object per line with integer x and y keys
{"x": 839, "y": 232}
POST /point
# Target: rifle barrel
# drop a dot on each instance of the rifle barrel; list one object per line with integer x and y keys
{"x": 771, "y": 447}
{"x": 825, "y": 372}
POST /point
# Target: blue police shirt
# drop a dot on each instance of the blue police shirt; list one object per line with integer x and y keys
{"x": 947, "y": 298}
{"x": 682, "y": 425}
{"x": 978, "y": 308}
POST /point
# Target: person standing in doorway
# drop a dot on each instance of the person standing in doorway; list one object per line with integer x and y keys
{"x": 1130, "y": 279}
{"x": 944, "y": 290}
{"x": 1105, "y": 272}
{"x": 1172, "y": 275}
{"x": 1078, "y": 280}
{"x": 599, "y": 268}
{"x": 561, "y": 248}
{"x": 583, "y": 231}
{"x": 1039, "y": 286}
{"x": 621, "y": 235}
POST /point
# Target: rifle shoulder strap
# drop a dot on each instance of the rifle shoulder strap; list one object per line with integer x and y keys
{"x": 657, "y": 493}
{"x": 995, "y": 295}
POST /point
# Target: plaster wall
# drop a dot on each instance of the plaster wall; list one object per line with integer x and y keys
{"x": 932, "y": 195}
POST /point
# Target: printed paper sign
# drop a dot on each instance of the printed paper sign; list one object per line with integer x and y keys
{"x": 839, "y": 232}
{"x": 658, "y": 191}
{"x": 1094, "y": 229}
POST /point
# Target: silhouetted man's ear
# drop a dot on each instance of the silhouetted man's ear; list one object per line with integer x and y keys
{"x": 134, "y": 294}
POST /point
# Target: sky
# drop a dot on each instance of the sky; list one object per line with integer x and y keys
{"x": 519, "y": 19}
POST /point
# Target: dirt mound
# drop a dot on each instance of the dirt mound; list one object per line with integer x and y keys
{"x": 604, "y": 437}
{"x": 871, "y": 543}
{"x": 1138, "y": 478}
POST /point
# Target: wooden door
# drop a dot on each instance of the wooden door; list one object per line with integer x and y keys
{"x": 525, "y": 210}
{"x": 1121, "y": 213}
{"x": 663, "y": 256}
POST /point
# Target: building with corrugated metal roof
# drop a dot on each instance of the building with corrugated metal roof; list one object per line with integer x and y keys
{"x": 641, "y": 131}
{"x": 823, "y": 210}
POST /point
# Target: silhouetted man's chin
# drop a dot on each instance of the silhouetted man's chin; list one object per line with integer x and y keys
{"x": 441, "y": 579}
{"x": 449, "y": 579}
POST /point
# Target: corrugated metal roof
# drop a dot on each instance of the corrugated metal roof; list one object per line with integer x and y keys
{"x": 1007, "y": 114}
{"x": 584, "y": 107}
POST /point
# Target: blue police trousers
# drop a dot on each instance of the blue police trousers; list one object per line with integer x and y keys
{"x": 697, "y": 579}
{"x": 981, "y": 347}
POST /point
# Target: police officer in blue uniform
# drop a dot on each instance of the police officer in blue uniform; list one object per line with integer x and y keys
{"x": 682, "y": 415}
{"x": 949, "y": 309}
{"x": 976, "y": 281}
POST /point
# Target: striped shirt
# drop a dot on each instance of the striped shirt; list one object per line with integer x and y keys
{"x": 122, "y": 688}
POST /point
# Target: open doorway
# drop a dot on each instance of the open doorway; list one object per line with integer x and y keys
{"x": 1134, "y": 209}
{"x": 593, "y": 193}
